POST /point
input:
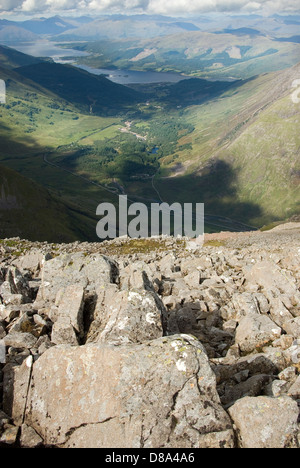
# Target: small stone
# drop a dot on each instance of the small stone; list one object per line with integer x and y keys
{"x": 9, "y": 435}
{"x": 8, "y": 313}
{"x": 277, "y": 388}
{"x": 230, "y": 326}
{"x": 251, "y": 387}
{"x": 288, "y": 374}
{"x": 2, "y": 331}
{"x": 286, "y": 341}
{"x": 193, "y": 279}
{"x": 4, "y": 418}
{"x": 43, "y": 345}
{"x": 71, "y": 306}
{"x": 20, "y": 340}
{"x": 292, "y": 327}
{"x": 64, "y": 333}
{"x": 294, "y": 391}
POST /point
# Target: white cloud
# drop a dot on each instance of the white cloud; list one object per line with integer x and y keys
{"x": 170, "y": 7}
{"x": 33, "y": 5}
{"x": 205, "y": 6}
{"x": 9, "y": 5}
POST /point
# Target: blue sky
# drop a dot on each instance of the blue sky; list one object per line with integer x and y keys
{"x": 166, "y": 7}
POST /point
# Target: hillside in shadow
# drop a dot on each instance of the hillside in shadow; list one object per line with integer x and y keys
{"x": 88, "y": 92}
{"x": 216, "y": 187}
{"x": 30, "y": 211}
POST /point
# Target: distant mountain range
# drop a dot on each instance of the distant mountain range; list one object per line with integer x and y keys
{"x": 50, "y": 26}
{"x": 39, "y": 27}
{"x": 143, "y": 26}
{"x": 241, "y": 32}
{"x": 12, "y": 33}
{"x": 226, "y": 54}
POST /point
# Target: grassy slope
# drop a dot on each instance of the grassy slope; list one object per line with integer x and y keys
{"x": 37, "y": 115}
{"x": 266, "y": 157}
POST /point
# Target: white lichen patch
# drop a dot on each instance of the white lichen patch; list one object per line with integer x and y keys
{"x": 150, "y": 318}
{"x": 134, "y": 296}
{"x": 176, "y": 345}
{"x": 70, "y": 371}
{"x": 147, "y": 302}
{"x": 181, "y": 365}
{"x": 123, "y": 323}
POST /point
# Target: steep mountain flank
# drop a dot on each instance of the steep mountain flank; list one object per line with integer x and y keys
{"x": 242, "y": 159}
{"x": 11, "y": 58}
{"x": 29, "y": 211}
{"x": 81, "y": 88}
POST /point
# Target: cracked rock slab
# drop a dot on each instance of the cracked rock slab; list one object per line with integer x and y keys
{"x": 69, "y": 322}
{"x": 75, "y": 269}
{"x": 131, "y": 317}
{"x": 158, "y": 394}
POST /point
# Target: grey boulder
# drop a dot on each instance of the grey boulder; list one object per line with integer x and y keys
{"x": 158, "y": 394}
{"x": 256, "y": 331}
{"x": 265, "y": 422}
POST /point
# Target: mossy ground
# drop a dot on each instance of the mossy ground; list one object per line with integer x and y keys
{"x": 141, "y": 246}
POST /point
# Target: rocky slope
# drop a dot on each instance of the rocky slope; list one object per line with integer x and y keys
{"x": 147, "y": 344}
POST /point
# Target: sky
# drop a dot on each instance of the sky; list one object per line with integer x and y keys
{"x": 10, "y": 8}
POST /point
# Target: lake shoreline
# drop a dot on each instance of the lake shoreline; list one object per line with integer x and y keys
{"x": 45, "y": 48}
